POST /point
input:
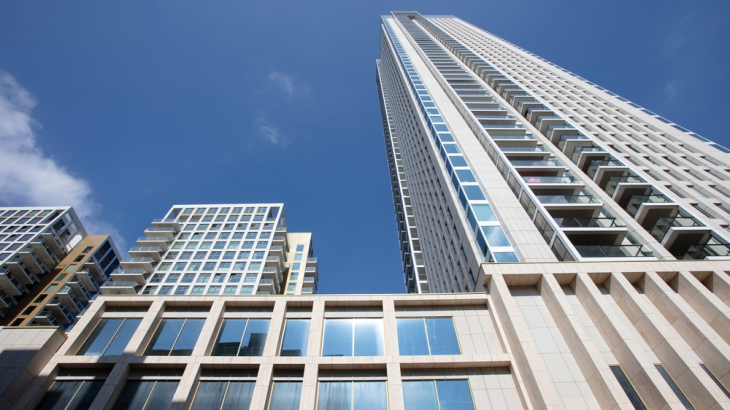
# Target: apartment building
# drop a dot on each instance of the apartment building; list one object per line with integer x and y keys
{"x": 497, "y": 155}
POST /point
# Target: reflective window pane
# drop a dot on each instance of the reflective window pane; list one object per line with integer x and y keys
{"x": 229, "y": 338}
{"x": 337, "y": 337}
{"x": 134, "y": 396}
{"x": 334, "y": 396}
{"x": 420, "y": 395}
{"x": 209, "y": 395}
{"x": 164, "y": 337}
{"x": 412, "y": 337}
{"x": 255, "y": 338}
{"x": 454, "y": 395}
{"x": 296, "y": 338}
{"x": 238, "y": 396}
{"x": 369, "y": 396}
{"x": 442, "y": 336}
{"x": 100, "y": 338}
{"x": 122, "y": 338}
{"x": 188, "y": 337}
{"x": 161, "y": 395}
{"x": 285, "y": 396}
{"x": 71, "y": 395}
{"x": 368, "y": 337}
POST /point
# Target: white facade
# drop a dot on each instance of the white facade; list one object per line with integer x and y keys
{"x": 33, "y": 240}
{"x": 509, "y": 158}
{"x": 217, "y": 249}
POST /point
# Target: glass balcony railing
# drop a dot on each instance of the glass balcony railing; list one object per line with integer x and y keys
{"x": 526, "y": 102}
{"x": 153, "y": 239}
{"x": 588, "y": 223}
{"x": 312, "y": 260}
{"x": 700, "y": 251}
{"x": 579, "y": 150}
{"x": 530, "y": 110}
{"x": 567, "y": 199}
{"x": 566, "y": 179}
{"x": 536, "y": 163}
{"x": 593, "y": 168}
{"x": 635, "y": 202}
{"x": 523, "y": 149}
{"x": 166, "y": 220}
{"x": 663, "y": 224}
{"x": 558, "y": 126}
{"x": 614, "y": 181}
{"x": 140, "y": 260}
{"x": 565, "y": 138}
{"x": 503, "y": 126}
{"x": 156, "y": 229}
{"x": 613, "y": 251}
{"x": 544, "y": 118}
{"x": 120, "y": 284}
{"x": 512, "y": 137}
{"x": 145, "y": 249}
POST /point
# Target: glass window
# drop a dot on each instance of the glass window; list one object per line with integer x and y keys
{"x": 285, "y": 396}
{"x": 297, "y": 256}
{"x": 437, "y": 395}
{"x": 300, "y": 248}
{"x": 424, "y": 336}
{"x": 216, "y": 395}
{"x": 146, "y": 395}
{"x": 296, "y": 266}
{"x": 241, "y": 337}
{"x": 71, "y": 395}
{"x": 495, "y": 236}
{"x": 296, "y": 338}
{"x": 175, "y": 337}
{"x": 353, "y": 337}
{"x": 357, "y": 395}
{"x": 484, "y": 212}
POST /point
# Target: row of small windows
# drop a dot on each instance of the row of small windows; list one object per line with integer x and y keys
{"x": 247, "y": 337}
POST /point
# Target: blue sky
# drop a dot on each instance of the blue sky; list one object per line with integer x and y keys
{"x": 125, "y": 108}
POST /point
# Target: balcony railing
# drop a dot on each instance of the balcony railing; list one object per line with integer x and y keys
{"x": 579, "y": 150}
{"x": 588, "y": 223}
{"x": 593, "y": 168}
{"x": 565, "y": 138}
{"x": 145, "y": 249}
{"x": 153, "y": 239}
{"x": 635, "y": 202}
{"x": 536, "y": 163}
{"x": 701, "y": 251}
{"x": 565, "y": 179}
{"x": 567, "y": 199}
{"x": 166, "y": 220}
{"x": 663, "y": 224}
{"x": 512, "y": 137}
{"x": 613, "y": 251}
{"x": 614, "y": 181}
{"x": 538, "y": 149}
{"x": 312, "y": 260}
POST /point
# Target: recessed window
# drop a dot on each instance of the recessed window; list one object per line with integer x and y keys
{"x": 352, "y": 395}
{"x": 353, "y": 337}
{"x": 175, "y": 337}
{"x": 427, "y": 336}
{"x": 437, "y": 395}
{"x": 109, "y": 337}
{"x": 296, "y": 338}
{"x": 241, "y": 337}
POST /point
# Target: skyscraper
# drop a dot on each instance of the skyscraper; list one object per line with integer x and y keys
{"x": 497, "y": 155}
{"x": 218, "y": 249}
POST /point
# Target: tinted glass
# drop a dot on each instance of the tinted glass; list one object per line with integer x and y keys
{"x": 229, "y": 338}
{"x": 164, "y": 337}
{"x": 161, "y": 395}
{"x": 209, "y": 395}
{"x": 296, "y": 338}
{"x": 680, "y": 395}
{"x": 369, "y": 396}
{"x": 628, "y": 388}
{"x": 285, "y": 396}
{"x": 134, "y": 395}
{"x": 337, "y": 337}
{"x": 412, "y": 337}
{"x": 122, "y": 338}
{"x": 441, "y": 336}
{"x": 368, "y": 337}
{"x": 103, "y": 333}
{"x": 238, "y": 396}
{"x": 454, "y": 395}
{"x": 255, "y": 338}
{"x": 188, "y": 337}
{"x": 59, "y": 395}
{"x": 420, "y": 395}
{"x": 335, "y": 396}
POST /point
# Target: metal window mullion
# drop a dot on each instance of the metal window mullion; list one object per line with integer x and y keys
{"x": 177, "y": 337}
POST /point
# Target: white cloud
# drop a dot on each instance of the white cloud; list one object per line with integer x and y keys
{"x": 671, "y": 89}
{"x": 269, "y": 132}
{"x": 288, "y": 84}
{"x": 27, "y": 176}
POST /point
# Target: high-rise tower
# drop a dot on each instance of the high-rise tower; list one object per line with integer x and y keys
{"x": 498, "y": 155}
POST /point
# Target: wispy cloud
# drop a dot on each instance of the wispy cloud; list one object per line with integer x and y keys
{"x": 671, "y": 89}
{"x": 30, "y": 178}
{"x": 270, "y": 132}
{"x": 289, "y": 84}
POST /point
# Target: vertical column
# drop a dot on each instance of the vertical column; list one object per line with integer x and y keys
{"x": 184, "y": 393}
{"x": 309, "y": 387}
{"x": 316, "y": 329}
{"x": 146, "y": 328}
{"x": 647, "y": 381}
{"x": 206, "y": 339}
{"x": 539, "y": 390}
{"x": 666, "y": 344}
{"x": 390, "y": 328}
{"x": 275, "y": 328}
{"x": 721, "y": 286}
{"x": 705, "y": 303}
{"x": 112, "y": 388}
{"x": 311, "y": 369}
{"x": 595, "y": 370}
{"x": 261, "y": 390}
{"x": 395, "y": 387}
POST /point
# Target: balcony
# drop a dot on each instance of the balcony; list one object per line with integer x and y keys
{"x": 573, "y": 205}
{"x": 6, "y": 301}
{"x": 168, "y": 233}
{"x": 524, "y": 105}
{"x": 146, "y": 264}
{"x": 549, "y": 167}
{"x": 309, "y": 269}
{"x": 614, "y": 251}
{"x": 508, "y": 92}
{"x": 268, "y": 285}
{"x": 44, "y": 252}
{"x": 32, "y": 261}
{"x": 544, "y": 121}
{"x": 167, "y": 223}
{"x": 54, "y": 243}
{"x": 679, "y": 233}
{"x": 555, "y": 131}
{"x": 708, "y": 251}
{"x": 11, "y": 284}
{"x": 504, "y": 129}
{"x": 622, "y": 188}
{"x": 592, "y": 231}
{"x": 138, "y": 276}
{"x": 273, "y": 273}
{"x": 568, "y": 143}
{"x": 120, "y": 288}
{"x": 601, "y": 171}
{"x": 45, "y": 318}
{"x": 534, "y": 114}
{"x": 276, "y": 251}
{"x": 530, "y": 153}
{"x": 495, "y": 119}
{"x": 526, "y": 140}
{"x": 515, "y": 99}
{"x": 647, "y": 209}
{"x": 154, "y": 252}
{"x": 21, "y": 271}
{"x": 550, "y": 185}
{"x": 311, "y": 261}
{"x": 80, "y": 290}
{"x": 584, "y": 156}
{"x": 154, "y": 241}
{"x": 70, "y": 299}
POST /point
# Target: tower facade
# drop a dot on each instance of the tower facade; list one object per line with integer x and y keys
{"x": 218, "y": 249}
{"x": 498, "y": 155}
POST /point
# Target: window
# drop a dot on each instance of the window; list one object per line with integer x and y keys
{"x": 352, "y": 395}
{"x": 427, "y": 336}
{"x": 300, "y": 248}
{"x": 437, "y": 395}
{"x": 234, "y": 391}
{"x": 241, "y": 337}
{"x": 146, "y": 395}
{"x": 175, "y": 337}
{"x": 296, "y": 338}
{"x": 109, "y": 337}
{"x": 628, "y": 388}
{"x": 285, "y": 395}
{"x": 353, "y": 337}
{"x": 71, "y": 394}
